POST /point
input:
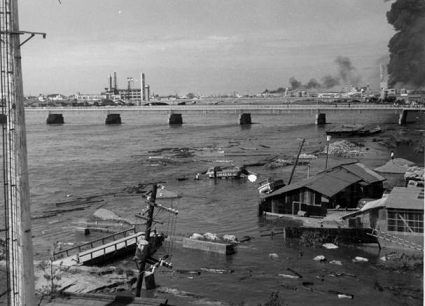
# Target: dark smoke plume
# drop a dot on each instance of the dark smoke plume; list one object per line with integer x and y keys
{"x": 407, "y": 46}
{"x": 312, "y": 84}
{"x": 294, "y": 83}
{"x": 347, "y": 71}
{"x": 329, "y": 81}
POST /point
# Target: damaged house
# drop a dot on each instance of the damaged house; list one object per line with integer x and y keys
{"x": 339, "y": 187}
{"x": 397, "y": 219}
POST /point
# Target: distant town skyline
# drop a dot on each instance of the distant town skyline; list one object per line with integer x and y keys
{"x": 204, "y": 47}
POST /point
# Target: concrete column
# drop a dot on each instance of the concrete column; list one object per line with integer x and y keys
{"x": 245, "y": 118}
{"x": 175, "y": 119}
{"x": 402, "y": 120}
{"x": 113, "y": 119}
{"x": 3, "y": 119}
{"x": 55, "y": 119}
{"x": 320, "y": 119}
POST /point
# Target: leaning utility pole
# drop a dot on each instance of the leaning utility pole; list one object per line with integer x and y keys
{"x": 19, "y": 248}
{"x": 145, "y": 251}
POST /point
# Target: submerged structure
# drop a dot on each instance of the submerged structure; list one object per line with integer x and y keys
{"x": 397, "y": 219}
{"x": 339, "y": 187}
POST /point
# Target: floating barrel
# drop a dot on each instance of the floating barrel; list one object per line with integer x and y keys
{"x": 113, "y": 119}
{"x": 175, "y": 119}
{"x": 245, "y": 118}
{"x": 55, "y": 119}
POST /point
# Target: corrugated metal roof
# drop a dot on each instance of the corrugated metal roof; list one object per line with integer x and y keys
{"x": 288, "y": 188}
{"x": 333, "y": 182}
{"x": 365, "y": 173}
{"x": 406, "y": 198}
{"x": 379, "y": 203}
{"x": 328, "y": 184}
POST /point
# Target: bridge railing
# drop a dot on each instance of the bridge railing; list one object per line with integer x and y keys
{"x": 242, "y": 107}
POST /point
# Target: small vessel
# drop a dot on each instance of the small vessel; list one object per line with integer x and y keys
{"x": 345, "y": 130}
{"x": 224, "y": 173}
{"x": 353, "y": 130}
{"x": 270, "y": 185}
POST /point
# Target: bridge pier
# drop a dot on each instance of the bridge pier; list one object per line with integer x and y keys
{"x": 175, "y": 119}
{"x": 55, "y": 119}
{"x": 320, "y": 118}
{"x": 245, "y": 118}
{"x": 113, "y": 119}
{"x": 402, "y": 120}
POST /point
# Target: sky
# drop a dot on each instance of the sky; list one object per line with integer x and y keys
{"x": 199, "y": 46}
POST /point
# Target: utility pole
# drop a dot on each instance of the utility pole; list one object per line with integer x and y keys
{"x": 296, "y": 161}
{"x": 328, "y": 139}
{"x": 19, "y": 248}
{"x": 149, "y": 222}
{"x": 148, "y": 246}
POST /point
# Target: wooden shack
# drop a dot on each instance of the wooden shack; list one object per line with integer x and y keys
{"x": 339, "y": 187}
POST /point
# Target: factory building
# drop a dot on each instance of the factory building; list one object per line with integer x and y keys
{"x": 129, "y": 94}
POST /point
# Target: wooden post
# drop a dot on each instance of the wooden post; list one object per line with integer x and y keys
{"x": 18, "y": 237}
{"x": 296, "y": 162}
{"x": 147, "y": 238}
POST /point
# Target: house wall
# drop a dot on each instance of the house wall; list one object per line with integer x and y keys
{"x": 382, "y": 225}
{"x": 374, "y": 191}
{"x": 316, "y": 204}
{"x": 290, "y": 203}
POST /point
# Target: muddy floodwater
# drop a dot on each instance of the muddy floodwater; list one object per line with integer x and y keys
{"x": 84, "y": 157}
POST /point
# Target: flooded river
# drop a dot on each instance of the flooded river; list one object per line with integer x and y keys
{"x": 85, "y": 157}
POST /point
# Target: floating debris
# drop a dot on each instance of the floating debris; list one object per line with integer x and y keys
{"x": 330, "y": 246}
{"x": 319, "y": 258}
{"x": 360, "y": 259}
{"x": 336, "y": 262}
{"x": 289, "y": 276}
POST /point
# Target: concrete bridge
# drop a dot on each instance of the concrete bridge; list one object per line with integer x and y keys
{"x": 55, "y": 115}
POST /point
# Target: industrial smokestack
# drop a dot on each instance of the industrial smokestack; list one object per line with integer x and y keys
{"x": 407, "y": 46}
{"x": 149, "y": 92}
{"x": 110, "y": 83}
{"x": 143, "y": 87}
{"x": 115, "y": 83}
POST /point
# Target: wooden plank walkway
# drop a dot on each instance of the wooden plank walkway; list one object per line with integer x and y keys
{"x": 88, "y": 253}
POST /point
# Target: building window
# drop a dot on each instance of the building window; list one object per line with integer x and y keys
{"x": 408, "y": 221}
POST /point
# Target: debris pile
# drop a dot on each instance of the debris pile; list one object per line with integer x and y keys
{"x": 414, "y": 173}
{"x": 343, "y": 148}
{"x": 279, "y": 162}
{"x": 214, "y": 238}
{"x": 396, "y": 165}
{"x": 105, "y": 214}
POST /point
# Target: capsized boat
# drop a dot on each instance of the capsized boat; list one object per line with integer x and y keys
{"x": 270, "y": 185}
